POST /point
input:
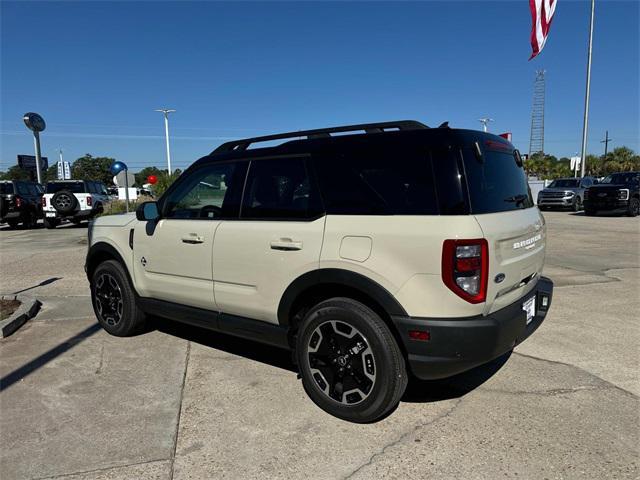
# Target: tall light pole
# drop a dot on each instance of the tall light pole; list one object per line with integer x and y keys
{"x": 586, "y": 94}
{"x": 166, "y": 112}
{"x": 485, "y": 122}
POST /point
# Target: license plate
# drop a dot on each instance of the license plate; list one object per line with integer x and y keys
{"x": 50, "y": 214}
{"x": 530, "y": 308}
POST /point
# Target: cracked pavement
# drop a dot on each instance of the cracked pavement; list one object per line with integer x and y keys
{"x": 180, "y": 402}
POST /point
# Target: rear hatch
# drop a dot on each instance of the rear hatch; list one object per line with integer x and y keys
{"x": 500, "y": 200}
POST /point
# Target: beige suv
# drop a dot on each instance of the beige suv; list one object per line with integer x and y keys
{"x": 371, "y": 251}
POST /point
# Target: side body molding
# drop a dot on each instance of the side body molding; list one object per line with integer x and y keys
{"x": 337, "y": 278}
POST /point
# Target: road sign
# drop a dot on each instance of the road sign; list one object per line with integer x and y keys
{"x": 119, "y": 179}
{"x": 28, "y": 162}
{"x": 34, "y": 122}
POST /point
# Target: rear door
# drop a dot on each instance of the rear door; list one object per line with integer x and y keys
{"x": 501, "y": 202}
{"x": 277, "y": 238}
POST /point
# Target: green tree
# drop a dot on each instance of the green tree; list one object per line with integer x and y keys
{"x": 92, "y": 168}
{"x": 164, "y": 181}
{"x": 141, "y": 176}
{"x": 16, "y": 173}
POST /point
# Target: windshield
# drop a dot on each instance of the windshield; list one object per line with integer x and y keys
{"x": 564, "y": 183}
{"x": 622, "y": 178}
{"x": 73, "y": 187}
{"x": 6, "y": 188}
{"x": 496, "y": 183}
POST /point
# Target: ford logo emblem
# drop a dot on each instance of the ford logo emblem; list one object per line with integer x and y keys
{"x": 499, "y": 278}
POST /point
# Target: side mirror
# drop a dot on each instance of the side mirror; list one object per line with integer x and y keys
{"x": 147, "y": 211}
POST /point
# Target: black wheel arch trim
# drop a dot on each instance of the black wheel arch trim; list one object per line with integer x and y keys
{"x": 336, "y": 277}
{"x": 102, "y": 250}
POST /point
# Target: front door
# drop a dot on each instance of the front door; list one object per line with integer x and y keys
{"x": 172, "y": 257}
{"x": 277, "y": 238}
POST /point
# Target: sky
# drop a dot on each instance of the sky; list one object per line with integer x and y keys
{"x": 96, "y": 71}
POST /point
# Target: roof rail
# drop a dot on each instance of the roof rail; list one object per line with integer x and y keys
{"x": 241, "y": 145}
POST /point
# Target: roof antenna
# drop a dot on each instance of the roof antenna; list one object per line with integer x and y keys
{"x": 444, "y": 125}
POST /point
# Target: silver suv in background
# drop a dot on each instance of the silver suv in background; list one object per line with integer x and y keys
{"x": 565, "y": 193}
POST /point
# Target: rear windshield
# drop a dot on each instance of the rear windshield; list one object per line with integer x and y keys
{"x": 74, "y": 187}
{"x": 495, "y": 181}
{"x": 564, "y": 183}
{"x": 6, "y": 188}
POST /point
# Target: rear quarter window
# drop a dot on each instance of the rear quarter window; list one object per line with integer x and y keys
{"x": 496, "y": 183}
{"x": 373, "y": 179}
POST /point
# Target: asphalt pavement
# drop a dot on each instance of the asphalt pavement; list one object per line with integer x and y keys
{"x": 183, "y": 403}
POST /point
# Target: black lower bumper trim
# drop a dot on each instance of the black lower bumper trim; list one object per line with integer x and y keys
{"x": 459, "y": 344}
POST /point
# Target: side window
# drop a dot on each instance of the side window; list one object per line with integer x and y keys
{"x": 90, "y": 187}
{"x": 101, "y": 189}
{"x": 280, "y": 189}
{"x": 22, "y": 188}
{"x": 389, "y": 179}
{"x": 586, "y": 182}
{"x": 209, "y": 192}
{"x": 32, "y": 189}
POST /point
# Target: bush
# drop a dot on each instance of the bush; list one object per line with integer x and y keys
{"x": 120, "y": 206}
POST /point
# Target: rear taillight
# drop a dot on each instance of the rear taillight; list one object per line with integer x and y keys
{"x": 89, "y": 201}
{"x": 465, "y": 268}
{"x": 18, "y": 201}
{"x": 44, "y": 201}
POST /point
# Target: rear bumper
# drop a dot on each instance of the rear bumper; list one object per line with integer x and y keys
{"x": 459, "y": 344}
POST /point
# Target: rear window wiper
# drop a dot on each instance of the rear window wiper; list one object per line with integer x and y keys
{"x": 517, "y": 199}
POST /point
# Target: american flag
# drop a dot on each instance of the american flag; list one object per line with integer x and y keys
{"x": 541, "y": 17}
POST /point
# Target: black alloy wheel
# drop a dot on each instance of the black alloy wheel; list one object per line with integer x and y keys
{"x": 341, "y": 362}
{"x": 350, "y": 363}
{"x": 114, "y": 301}
{"x": 109, "y": 302}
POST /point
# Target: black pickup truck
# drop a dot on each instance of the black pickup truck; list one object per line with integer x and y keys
{"x": 617, "y": 192}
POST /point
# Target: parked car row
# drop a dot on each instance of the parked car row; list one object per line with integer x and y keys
{"x": 24, "y": 202}
{"x": 618, "y": 192}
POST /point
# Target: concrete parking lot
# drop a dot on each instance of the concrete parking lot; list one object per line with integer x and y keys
{"x": 179, "y": 402}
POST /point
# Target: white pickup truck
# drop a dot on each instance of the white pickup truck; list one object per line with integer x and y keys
{"x": 74, "y": 200}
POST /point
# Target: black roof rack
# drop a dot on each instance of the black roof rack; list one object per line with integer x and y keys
{"x": 240, "y": 145}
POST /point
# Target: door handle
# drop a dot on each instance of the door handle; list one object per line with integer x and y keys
{"x": 286, "y": 245}
{"x": 192, "y": 239}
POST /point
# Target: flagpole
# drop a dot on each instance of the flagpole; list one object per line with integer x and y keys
{"x": 586, "y": 95}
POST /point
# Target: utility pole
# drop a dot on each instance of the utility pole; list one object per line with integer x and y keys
{"x": 586, "y": 95}
{"x": 606, "y": 142}
{"x": 485, "y": 121}
{"x": 166, "y": 112}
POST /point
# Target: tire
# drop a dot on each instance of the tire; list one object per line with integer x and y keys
{"x": 13, "y": 222}
{"x": 30, "y": 220}
{"x": 375, "y": 377}
{"x": 65, "y": 202}
{"x": 634, "y": 207}
{"x": 3, "y": 207}
{"x": 589, "y": 212}
{"x": 577, "y": 204}
{"x": 50, "y": 223}
{"x": 114, "y": 301}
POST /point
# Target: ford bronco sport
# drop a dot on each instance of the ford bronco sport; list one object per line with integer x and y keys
{"x": 370, "y": 251}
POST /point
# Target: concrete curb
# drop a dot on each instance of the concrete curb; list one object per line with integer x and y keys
{"x": 27, "y": 310}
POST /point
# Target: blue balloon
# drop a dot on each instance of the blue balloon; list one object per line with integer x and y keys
{"x": 117, "y": 167}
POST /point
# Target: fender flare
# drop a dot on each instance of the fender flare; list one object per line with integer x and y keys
{"x": 101, "y": 250}
{"x": 337, "y": 277}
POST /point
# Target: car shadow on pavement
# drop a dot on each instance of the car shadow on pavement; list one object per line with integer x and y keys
{"x": 418, "y": 391}
{"x": 276, "y": 357}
